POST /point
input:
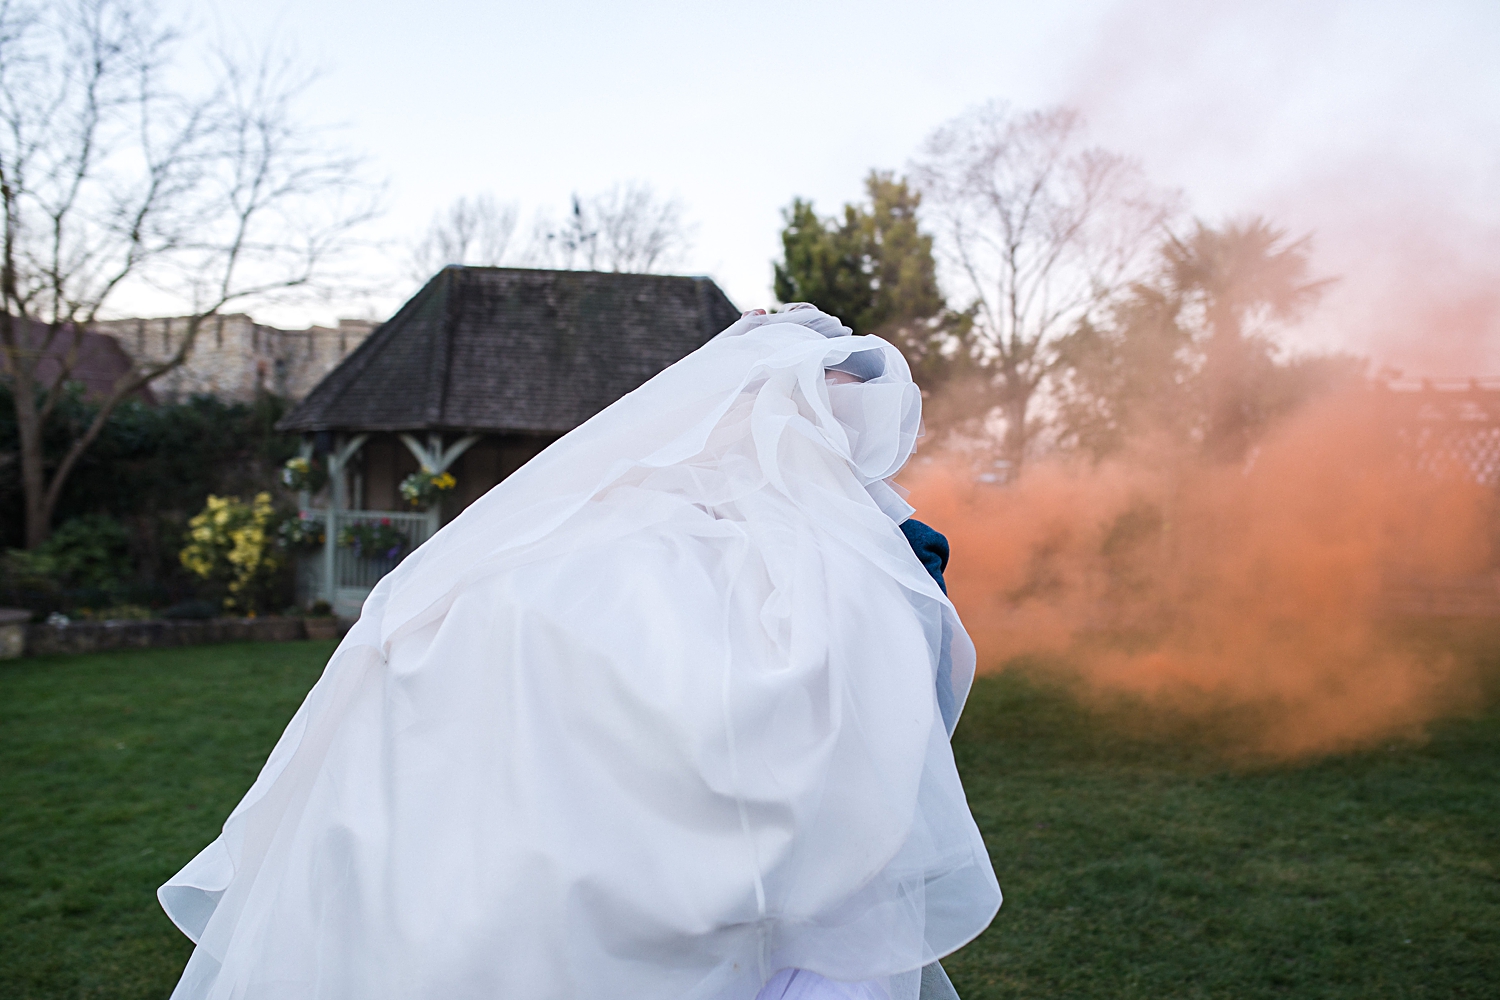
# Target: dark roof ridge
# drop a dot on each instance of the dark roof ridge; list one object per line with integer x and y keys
{"x": 327, "y": 393}
{"x": 630, "y": 275}
{"x": 514, "y": 350}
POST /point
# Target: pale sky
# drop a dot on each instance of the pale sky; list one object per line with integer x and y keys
{"x": 1373, "y": 124}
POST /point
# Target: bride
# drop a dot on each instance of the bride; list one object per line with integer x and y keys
{"x": 663, "y": 716}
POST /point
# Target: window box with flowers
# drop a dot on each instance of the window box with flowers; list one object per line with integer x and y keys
{"x": 375, "y": 540}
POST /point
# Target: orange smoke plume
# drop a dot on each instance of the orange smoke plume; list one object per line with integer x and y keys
{"x": 1258, "y": 591}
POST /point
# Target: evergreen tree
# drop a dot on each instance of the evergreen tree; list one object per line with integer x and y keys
{"x": 873, "y": 268}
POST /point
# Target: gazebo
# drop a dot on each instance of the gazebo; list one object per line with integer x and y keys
{"x": 476, "y": 373}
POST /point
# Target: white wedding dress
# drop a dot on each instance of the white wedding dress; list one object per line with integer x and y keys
{"x": 657, "y": 718}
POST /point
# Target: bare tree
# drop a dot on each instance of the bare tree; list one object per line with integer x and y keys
{"x": 472, "y": 230}
{"x": 627, "y": 228}
{"x": 112, "y": 178}
{"x": 1040, "y": 231}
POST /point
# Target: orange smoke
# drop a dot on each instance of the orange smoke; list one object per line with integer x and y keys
{"x": 1256, "y": 593}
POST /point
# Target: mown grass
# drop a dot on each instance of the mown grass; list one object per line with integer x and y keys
{"x": 1135, "y": 865}
{"x": 115, "y": 769}
{"x": 1140, "y": 865}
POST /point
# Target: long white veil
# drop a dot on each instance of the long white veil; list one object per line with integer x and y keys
{"x": 654, "y": 718}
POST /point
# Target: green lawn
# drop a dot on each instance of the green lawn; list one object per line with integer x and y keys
{"x": 1133, "y": 866}
{"x": 115, "y": 769}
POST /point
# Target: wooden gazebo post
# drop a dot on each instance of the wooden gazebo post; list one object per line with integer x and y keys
{"x": 338, "y": 461}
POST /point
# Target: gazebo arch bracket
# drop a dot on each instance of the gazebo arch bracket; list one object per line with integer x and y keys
{"x": 432, "y": 456}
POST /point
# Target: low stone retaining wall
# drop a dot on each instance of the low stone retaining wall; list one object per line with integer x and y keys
{"x": 13, "y": 632}
{"x": 90, "y": 637}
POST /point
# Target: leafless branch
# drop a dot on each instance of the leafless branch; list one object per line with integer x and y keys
{"x": 627, "y": 228}
{"x": 1039, "y": 229}
{"x": 472, "y": 230}
{"x": 111, "y": 177}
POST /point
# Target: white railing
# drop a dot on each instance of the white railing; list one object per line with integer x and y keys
{"x": 365, "y": 569}
{"x": 346, "y": 575}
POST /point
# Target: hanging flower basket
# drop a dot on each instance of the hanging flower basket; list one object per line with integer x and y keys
{"x": 302, "y": 474}
{"x": 424, "y": 487}
{"x": 376, "y": 541}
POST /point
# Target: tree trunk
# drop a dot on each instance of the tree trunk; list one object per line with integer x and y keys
{"x": 1226, "y": 436}
{"x": 1015, "y": 401}
{"x": 41, "y": 495}
{"x": 33, "y": 470}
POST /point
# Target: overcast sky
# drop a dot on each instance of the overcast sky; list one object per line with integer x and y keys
{"x": 1375, "y": 125}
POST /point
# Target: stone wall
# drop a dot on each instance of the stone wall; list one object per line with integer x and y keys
{"x": 234, "y": 358}
{"x": 91, "y": 637}
{"x": 307, "y": 355}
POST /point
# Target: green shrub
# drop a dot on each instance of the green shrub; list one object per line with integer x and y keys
{"x": 151, "y": 467}
{"x": 116, "y": 613}
{"x": 191, "y": 611}
{"x": 90, "y": 551}
{"x": 87, "y": 553}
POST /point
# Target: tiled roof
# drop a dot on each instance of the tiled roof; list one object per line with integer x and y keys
{"x": 511, "y": 349}
{"x": 100, "y": 362}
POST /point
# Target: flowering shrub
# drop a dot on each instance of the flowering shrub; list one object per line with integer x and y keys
{"x": 378, "y": 541}
{"x": 230, "y": 541}
{"x": 301, "y": 533}
{"x": 424, "y": 486}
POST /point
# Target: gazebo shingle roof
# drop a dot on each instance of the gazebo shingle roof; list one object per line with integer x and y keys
{"x": 499, "y": 349}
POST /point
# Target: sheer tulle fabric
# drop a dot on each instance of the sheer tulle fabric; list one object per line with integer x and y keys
{"x": 654, "y": 718}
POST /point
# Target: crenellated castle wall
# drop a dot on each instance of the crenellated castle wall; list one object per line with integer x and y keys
{"x": 234, "y": 358}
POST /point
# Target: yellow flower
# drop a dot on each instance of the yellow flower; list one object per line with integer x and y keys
{"x": 230, "y": 540}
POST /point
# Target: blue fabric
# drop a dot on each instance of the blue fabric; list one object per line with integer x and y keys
{"x": 931, "y": 549}
{"x": 944, "y": 682}
{"x": 930, "y": 546}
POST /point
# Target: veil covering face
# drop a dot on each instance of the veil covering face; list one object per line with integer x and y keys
{"x": 656, "y": 717}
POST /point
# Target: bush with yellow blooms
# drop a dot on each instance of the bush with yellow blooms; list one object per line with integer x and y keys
{"x": 234, "y": 543}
